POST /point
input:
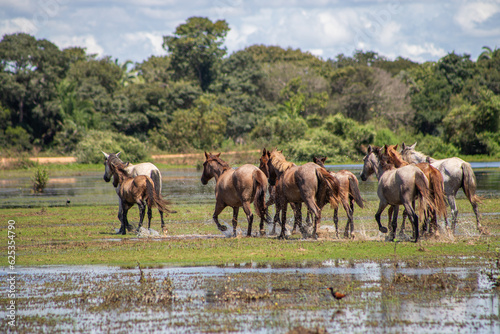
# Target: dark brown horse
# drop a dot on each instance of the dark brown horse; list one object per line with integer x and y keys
{"x": 264, "y": 159}
{"x": 350, "y": 190}
{"x": 436, "y": 186}
{"x": 138, "y": 190}
{"x": 236, "y": 188}
{"x": 308, "y": 183}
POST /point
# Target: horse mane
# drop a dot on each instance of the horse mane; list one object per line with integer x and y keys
{"x": 383, "y": 158}
{"x": 394, "y": 156}
{"x": 279, "y": 161}
{"x": 221, "y": 162}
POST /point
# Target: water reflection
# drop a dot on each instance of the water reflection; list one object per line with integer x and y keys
{"x": 181, "y": 186}
{"x": 382, "y": 297}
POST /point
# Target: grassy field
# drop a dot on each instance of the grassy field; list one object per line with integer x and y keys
{"x": 85, "y": 235}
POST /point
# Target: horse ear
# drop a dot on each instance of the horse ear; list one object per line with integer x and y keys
{"x": 218, "y": 155}
{"x": 323, "y": 159}
{"x": 413, "y": 146}
{"x": 369, "y": 150}
{"x": 118, "y": 154}
{"x": 385, "y": 148}
{"x": 396, "y": 147}
{"x": 264, "y": 151}
{"x": 206, "y": 155}
{"x": 105, "y": 154}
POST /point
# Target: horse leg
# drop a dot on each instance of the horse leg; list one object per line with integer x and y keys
{"x": 248, "y": 212}
{"x": 394, "y": 222}
{"x": 336, "y": 221}
{"x": 414, "y": 220}
{"x": 120, "y": 214}
{"x": 150, "y": 216}
{"x": 454, "y": 211}
{"x": 480, "y": 227}
{"x": 219, "y": 206}
{"x": 283, "y": 221}
{"x": 352, "y": 217}
{"x": 298, "y": 219}
{"x": 236, "y": 210}
{"x": 142, "y": 212}
{"x": 350, "y": 224}
{"x": 124, "y": 220}
{"x": 381, "y": 208}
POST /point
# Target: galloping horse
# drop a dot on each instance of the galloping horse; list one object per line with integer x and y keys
{"x": 136, "y": 190}
{"x": 350, "y": 189}
{"x": 236, "y": 188}
{"x": 396, "y": 187}
{"x": 456, "y": 174}
{"x": 436, "y": 185}
{"x": 308, "y": 183}
{"x": 264, "y": 159}
{"x": 145, "y": 168}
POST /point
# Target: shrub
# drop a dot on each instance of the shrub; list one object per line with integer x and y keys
{"x": 40, "y": 179}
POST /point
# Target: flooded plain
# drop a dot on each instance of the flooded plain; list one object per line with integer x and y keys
{"x": 382, "y": 297}
{"x": 181, "y": 186}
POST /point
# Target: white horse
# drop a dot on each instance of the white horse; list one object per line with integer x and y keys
{"x": 145, "y": 168}
{"x": 456, "y": 174}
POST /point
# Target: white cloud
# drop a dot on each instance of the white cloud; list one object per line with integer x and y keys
{"x": 88, "y": 41}
{"x": 146, "y": 40}
{"x": 471, "y": 15}
{"x": 16, "y": 25}
{"x": 417, "y": 52}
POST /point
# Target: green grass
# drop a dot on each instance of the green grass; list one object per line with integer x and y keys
{"x": 85, "y": 235}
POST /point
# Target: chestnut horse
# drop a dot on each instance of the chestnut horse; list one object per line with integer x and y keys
{"x": 456, "y": 174}
{"x": 308, "y": 183}
{"x": 350, "y": 189}
{"x": 396, "y": 187}
{"x": 236, "y": 188}
{"x": 138, "y": 190}
{"x": 436, "y": 185}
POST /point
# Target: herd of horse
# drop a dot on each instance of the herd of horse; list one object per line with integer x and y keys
{"x": 404, "y": 177}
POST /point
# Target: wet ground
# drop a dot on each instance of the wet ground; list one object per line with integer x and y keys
{"x": 381, "y": 297}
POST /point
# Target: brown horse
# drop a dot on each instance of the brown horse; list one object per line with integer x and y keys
{"x": 308, "y": 183}
{"x": 436, "y": 186}
{"x": 236, "y": 188}
{"x": 350, "y": 189}
{"x": 264, "y": 159}
{"x": 138, "y": 190}
{"x": 396, "y": 186}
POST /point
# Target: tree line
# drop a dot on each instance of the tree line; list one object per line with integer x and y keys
{"x": 197, "y": 97}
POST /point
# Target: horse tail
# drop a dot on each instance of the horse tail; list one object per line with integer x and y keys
{"x": 153, "y": 198}
{"x": 436, "y": 186}
{"x": 469, "y": 184}
{"x": 354, "y": 191}
{"x": 156, "y": 177}
{"x": 334, "y": 192}
{"x": 425, "y": 198}
{"x": 260, "y": 186}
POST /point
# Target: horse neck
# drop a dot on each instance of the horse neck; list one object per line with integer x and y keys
{"x": 382, "y": 168}
{"x": 397, "y": 160}
{"x": 221, "y": 169}
{"x": 121, "y": 176}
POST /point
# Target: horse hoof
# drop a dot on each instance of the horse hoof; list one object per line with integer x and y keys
{"x": 130, "y": 228}
{"x": 222, "y": 228}
{"x": 383, "y": 229}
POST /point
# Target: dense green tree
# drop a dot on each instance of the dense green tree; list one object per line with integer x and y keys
{"x": 196, "y": 49}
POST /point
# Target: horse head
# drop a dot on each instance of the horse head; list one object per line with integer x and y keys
{"x": 410, "y": 155}
{"x": 110, "y": 159}
{"x": 211, "y": 167}
{"x": 320, "y": 161}
{"x": 370, "y": 162}
{"x": 264, "y": 160}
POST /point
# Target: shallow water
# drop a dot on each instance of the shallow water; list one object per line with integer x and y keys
{"x": 242, "y": 298}
{"x": 181, "y": 186}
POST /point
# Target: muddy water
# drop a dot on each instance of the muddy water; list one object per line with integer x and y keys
{"x": 182, "y": 186}
{"x": 244, "y": 298}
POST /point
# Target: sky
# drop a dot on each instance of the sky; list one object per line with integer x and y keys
{"x": 420, "y": 30}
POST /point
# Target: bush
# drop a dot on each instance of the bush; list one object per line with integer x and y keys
{"x": 89, "y": 148}
{"x": 17, "y": 138}
{"x": 40, "y": 180}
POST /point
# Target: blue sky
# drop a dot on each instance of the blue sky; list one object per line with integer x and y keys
{"x": 133, "y": 30}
